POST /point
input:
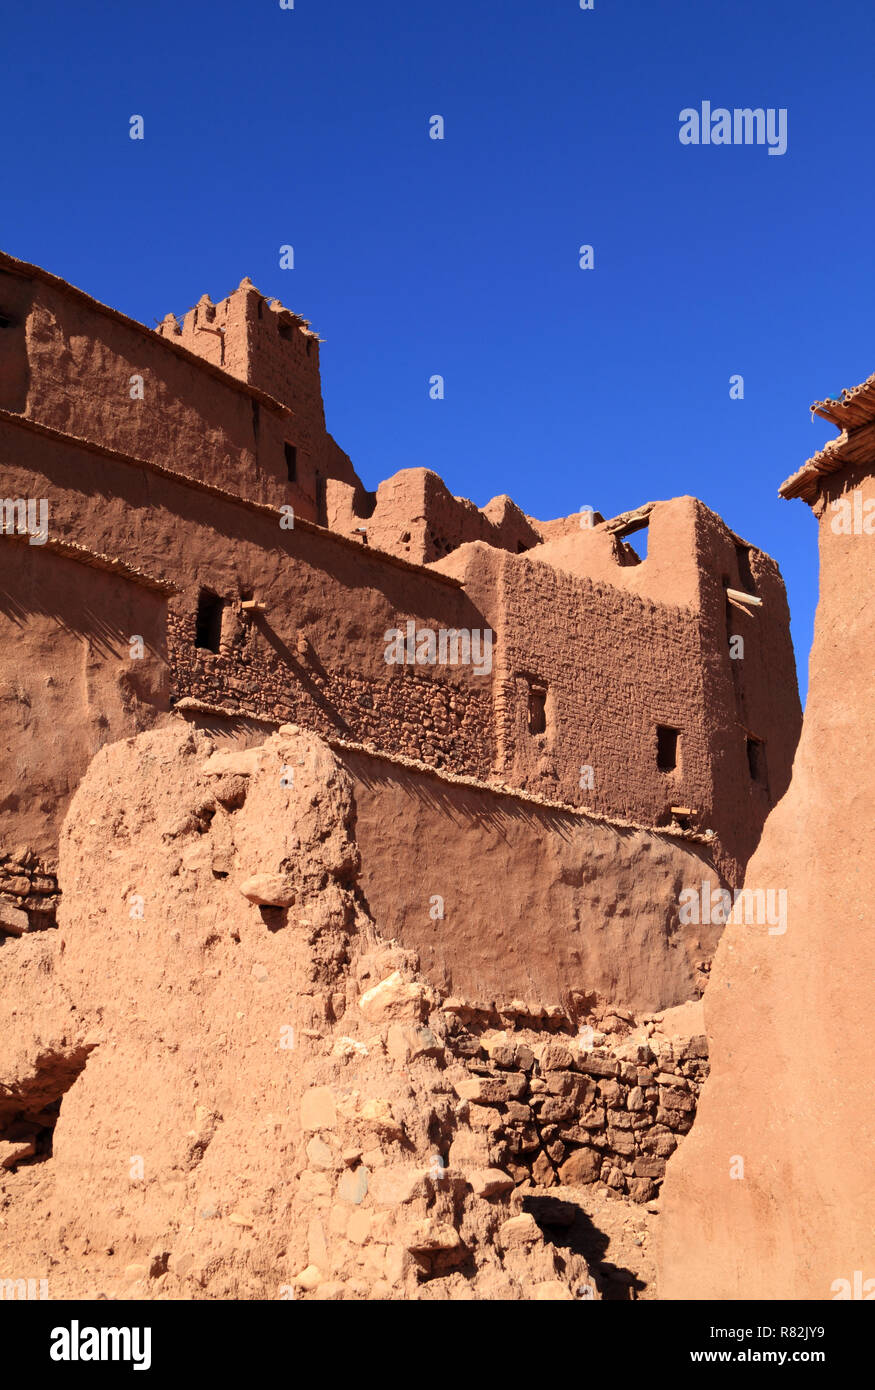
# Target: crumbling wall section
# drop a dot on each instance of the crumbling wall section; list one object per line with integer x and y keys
{"x": 414, "y": 515}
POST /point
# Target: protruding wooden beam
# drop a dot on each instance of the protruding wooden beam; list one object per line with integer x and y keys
{"x": 738, "y": 597}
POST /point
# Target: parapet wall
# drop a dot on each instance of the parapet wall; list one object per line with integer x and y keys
{"x": 414, "y": 515}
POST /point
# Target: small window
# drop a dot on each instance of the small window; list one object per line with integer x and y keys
{"x": 756, "y": 761}
{"x": 309, "y": 346}
{"x": 666, "y": 748}
{"x": 208, "y": 629}
{"x": 537, "y": 708}
{"x": 292, "y": 462}
{"x": 286, "y": 331}
{"x": 5, "y": 320}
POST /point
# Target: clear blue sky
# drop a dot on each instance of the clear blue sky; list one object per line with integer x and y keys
{"x": 564, "y": 387}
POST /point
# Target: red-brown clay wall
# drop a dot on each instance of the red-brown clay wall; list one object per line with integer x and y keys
{"x": 615, "y": 664}
{"x": 618, "y": 653}
{"x": 538, "y": 904}
{"x": 68, "y": 363}
{"x": 415, "y": 516}
{"x": 69, "y": 683}
{"x": 798, "y": 1224}
{"x": 267, "y": 346}
{"x": 317, "y": 653}
{"x": 754, "y": 696}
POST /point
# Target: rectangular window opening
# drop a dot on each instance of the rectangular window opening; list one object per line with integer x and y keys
{"x": 666, "y": 747}
{"x": 291, "y": 462}
{"x": 537, "y": 708}
{"x": 208, "y": 628}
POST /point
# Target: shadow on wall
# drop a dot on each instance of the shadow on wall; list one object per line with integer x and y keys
{"x": 16, "y": 297}
{"x": 105, "y": 640}
{"x": 466, "y": 809}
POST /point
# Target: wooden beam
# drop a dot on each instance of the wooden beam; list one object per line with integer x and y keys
{"x": 738, "y": 597}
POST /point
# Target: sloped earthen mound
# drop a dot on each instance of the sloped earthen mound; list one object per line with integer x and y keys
{"x": 257, "y": 1101}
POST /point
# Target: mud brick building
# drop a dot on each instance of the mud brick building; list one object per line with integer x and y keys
{"x": 198, "y": 503}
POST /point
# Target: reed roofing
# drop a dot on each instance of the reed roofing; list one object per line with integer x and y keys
{"x": 854, "y": 414}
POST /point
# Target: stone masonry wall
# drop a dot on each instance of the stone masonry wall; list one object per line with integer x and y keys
{"x": 28, "y": 892}
{"x": 411, "y": 714}
{"x": 554, "y": 1110}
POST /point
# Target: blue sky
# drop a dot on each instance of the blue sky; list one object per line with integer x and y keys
{"x": 564, "y": 387}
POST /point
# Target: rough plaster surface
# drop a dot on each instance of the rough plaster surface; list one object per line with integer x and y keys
{"x": 257, "y": 1101}
{"x": 789, "y": 1016}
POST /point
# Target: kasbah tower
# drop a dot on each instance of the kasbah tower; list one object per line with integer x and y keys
{"x": 576, "y": 731}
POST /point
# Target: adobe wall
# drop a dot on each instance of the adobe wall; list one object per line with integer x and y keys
{"x": 68, "y": 686}
{"x": 615, "y": 648}
{"x": 67, "y": 362}
{"x": 753, "y": 697}
{"x": 633, "y": 647}
{"x": 614, "y": 663}
{"x": 796, "y": 1222}
{"x": 269, "y": 347}
{"x": 538, "y": 904}
{"x": 414, "y": 515}
{"x": 316, "y": 655}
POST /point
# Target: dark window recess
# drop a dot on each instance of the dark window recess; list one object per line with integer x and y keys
{"x": 208, "y": 629}
{"x": 321, "y": 501}
{"x": 309, "y": 346}
{"x": 745, "y": 573}
{"x": 537, "y": 709}
{"x": 5, "y": 320}
{"x": 756, "y": 761}
{"x": 666, "y": 748}
{"x": 286, "y": 331}
{"x": 291, "y": 462}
